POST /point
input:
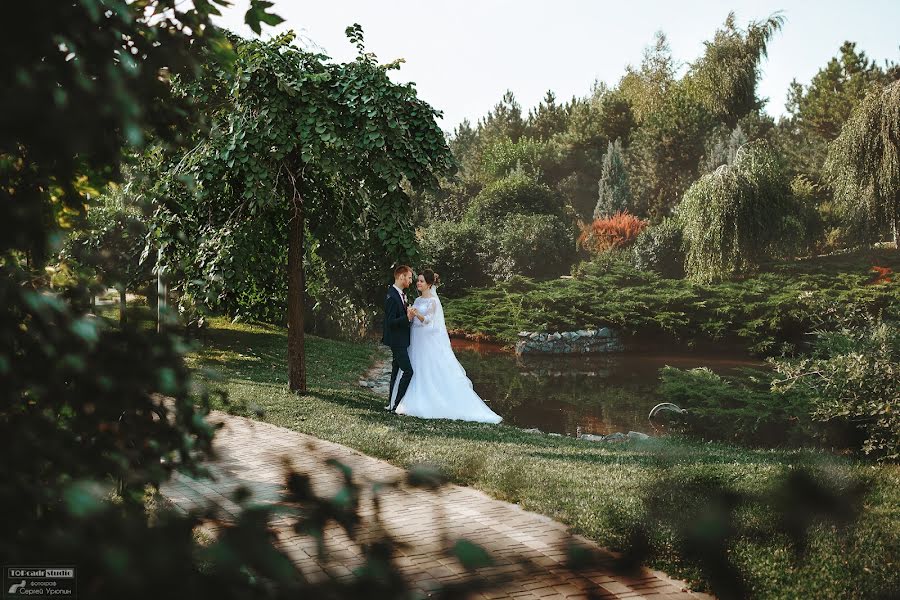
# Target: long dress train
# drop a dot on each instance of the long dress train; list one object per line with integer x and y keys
{"x": 439, "y": 388}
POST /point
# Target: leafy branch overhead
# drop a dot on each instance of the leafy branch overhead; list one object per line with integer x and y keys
{"x": 257, "y": 14}
{"x": 289, "y": 122}
{"x": 83, "y": 80}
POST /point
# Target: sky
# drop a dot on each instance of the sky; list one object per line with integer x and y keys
{"x": 464, "y": 55}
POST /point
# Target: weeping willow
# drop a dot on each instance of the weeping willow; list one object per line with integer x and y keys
{"x": 863, "y": 164}
{"x": 738, "y": 215}
{"x": 727, "y": 73}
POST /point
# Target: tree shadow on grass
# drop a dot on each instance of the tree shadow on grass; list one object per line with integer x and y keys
{"x": 634, "y": 454}
{"x": 664, "y": 453}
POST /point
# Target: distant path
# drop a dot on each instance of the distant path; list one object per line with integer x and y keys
{"x": 250, "y": 454}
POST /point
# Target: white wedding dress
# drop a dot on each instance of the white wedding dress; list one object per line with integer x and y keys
{"x": 439, "y": 388}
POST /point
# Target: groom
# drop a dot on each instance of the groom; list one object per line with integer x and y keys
{"x": 398, "y": 315}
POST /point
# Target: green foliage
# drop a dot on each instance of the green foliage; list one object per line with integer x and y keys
{"x": 852, "y": 378}
{"x": 612, "y": 261}
{"x": 769, "y": 313}
{"x": 559, "y": 144}
{"x": 503, "y": 157}
{"x": 90, "y": 415}
{"x": 518, "y": 193}
{"x": 740, "y": 409}
{"x": 449, "y": 202}
{"x": 530, "y": 245}
{"x": 452, "y": 249}
{"x": 738, "y": 216}
{"x": 469, "y": 254}
{"x": 521, "y": 230}
{"x": 78, "y": 79}
{"x": 256, "y": 14}
{"x": 666, "y": 152}
{"x": 817, "y": 223}
{"x": 660, "y": 248}
{"x": 593, "y": 122}
{"x": 677, "y": 117}
{"x": 819, "y": 110}
{"x": 112, "y": 242}
{"x": 548, "y": 119}
{"x": 724, "y": 79}
{"x": 614, "y": 194}
{"x": 286, "y": 144}
{"x": 645, "y": 87}
{"x": 723, "y": 149}
{"x": 823, "y": 106}
{"x": 465, "y": 143}
{"x": 864, "y": 164}
{"x": 504, "y": 122}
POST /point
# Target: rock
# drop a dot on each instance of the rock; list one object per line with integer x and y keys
{"x": 555, "y": 434}
{"x": 582, "y": 341}
{"x": 637, "y": 435}
{"x": 533, "y": 430}
{"x": 615, "y": 437}
{"x": 588, "y": 437}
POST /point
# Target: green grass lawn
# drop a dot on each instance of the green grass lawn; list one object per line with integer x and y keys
{"x": 598, "y": 490}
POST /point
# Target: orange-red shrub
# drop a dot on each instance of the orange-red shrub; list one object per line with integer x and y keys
{"x": 617, "y": 231}
{"x": 882, "y": 275}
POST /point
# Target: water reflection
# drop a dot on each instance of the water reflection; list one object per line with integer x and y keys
{"x": 572, "y": 395}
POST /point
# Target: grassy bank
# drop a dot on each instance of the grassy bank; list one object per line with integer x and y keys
{"x": 768, "y": 313}
{"x": 598, "y": 490}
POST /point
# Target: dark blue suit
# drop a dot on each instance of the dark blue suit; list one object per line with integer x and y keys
{"x": 396, "y": 336}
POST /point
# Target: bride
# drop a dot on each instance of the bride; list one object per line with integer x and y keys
{"x": 439, "y": 388}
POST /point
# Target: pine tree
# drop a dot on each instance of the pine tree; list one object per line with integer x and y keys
{"x": 615, "y": 193}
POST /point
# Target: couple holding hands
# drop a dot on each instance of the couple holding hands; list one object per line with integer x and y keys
{"x": 427, "y": 380}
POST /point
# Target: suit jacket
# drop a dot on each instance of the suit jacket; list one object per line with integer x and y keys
{"x": 396, "y": 323}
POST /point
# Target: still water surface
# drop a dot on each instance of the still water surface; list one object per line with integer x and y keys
{"x": 571, "y": 395}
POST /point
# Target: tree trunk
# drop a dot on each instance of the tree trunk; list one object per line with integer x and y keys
{"x": 122, "y": 318}
{"x": 296, "y": 288}
{"x": 897, "y": 229}
{"x": 162, "y": 293}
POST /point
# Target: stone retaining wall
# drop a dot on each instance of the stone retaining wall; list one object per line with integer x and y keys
{"x": 584, "y": 341}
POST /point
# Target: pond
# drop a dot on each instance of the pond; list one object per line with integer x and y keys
{"x": 572, "y": 395}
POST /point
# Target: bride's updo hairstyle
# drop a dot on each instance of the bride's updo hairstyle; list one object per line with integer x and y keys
{"x": 431, "y": 278}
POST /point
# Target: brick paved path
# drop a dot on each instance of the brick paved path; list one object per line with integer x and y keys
{"x": 250, "y": 454}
